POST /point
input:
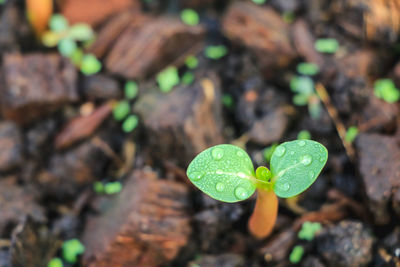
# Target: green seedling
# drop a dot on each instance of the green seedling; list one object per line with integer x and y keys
{"x": 308, "y": 230}
{"x": 304, "y": 135}
{"x": 226, "y": 173}
{"x": 386, "y": 89}
{"x": 190, "y": 17}
{"x": 2, "y": 2}
{"x": 98, "y": 187}
{"x": 191, "y": 62}
{"x": 267, "y": 152}
{"x": 288, "y": 17}
{"x": 71, "y": 249}
{"x": 305, "y": 94}
{"x": 259, "y": 2}
{"x": 309, "y": 69}
{"x": 215, "y": 51}
{"x": 188, "y": 78}
{"x": 121, "y": 110}
{"x": 90, "y": 64}
{"x": 227, "y": 100}
{"x": 326, "y": 45}
{"x": 131, "y": 90}
{"x": 351, "y": 134}
{"x": 167, "y": 79}
{"x": 55, "y": 262}
{"x": 112, "y": 188}
{"x": 130, "y": 123}
{"x": 296, "y": 255}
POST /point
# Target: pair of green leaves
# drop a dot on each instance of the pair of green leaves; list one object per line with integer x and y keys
{"x": 225, "y": 172}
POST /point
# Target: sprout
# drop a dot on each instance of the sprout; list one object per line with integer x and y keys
{"x": 227, "y": 100}
{"x": 188, "y": 78}
{"x": 112, "y": 188}
{"x": 58, "y": 23}
{"x": 55, "y": 262}
{"x": 326, "y": 45}
{"x": 190, "y": 17}
{"x": 130, "y": 90}
{"x": 121, "y": 110}
{"x": 307, "y": 68}
{"x": 191, "y": 62}
{"x": 226, "y": 173}
{"x": 351, "y": 134}
{"x": 269, "y": 151}
{"x": 308, "y": 230}
{"x": 296, "y": 254}
{"x": 216, "y": 51}
{"x": 386, "y": 89}
{"x": 167, "y": 79}
{"x": 90, "y": 65}
{"x": 303, "y": 86}
{"x": 304, "y": 135}
{"x": 259, "y": 2}
{"x": 130, "y": 123}
{"x": 72, "y": 249}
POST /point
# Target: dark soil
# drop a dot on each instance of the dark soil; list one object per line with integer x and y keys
{"x": 58, "y": 136}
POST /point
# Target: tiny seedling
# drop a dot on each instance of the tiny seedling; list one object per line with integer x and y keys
{"x": 121, "y": 110}
{"x": 259, "y": 2}
{"x": 167, "y": 79}
{"x": 305, "y": 94}
{"x": 326, "y": 45}
{"x": 55, "y": 262}
{"x": 130, "y": 123}
{"x": 191, "y": 62}
{"x": 112, "y": 188}
{"x": 131, "y": 90}
{"x": 288, "y": 17}
{"x": 190, "y": 17}
{"x": 386, "y": 89}
{"x": 188, "y": 78}
{"x": 308, "y": 230}
{"x": 304, "y": 135}
{"x": 268, "y": 151}
{"x": 296, "y": 255}
{"x": 351, "y": 134}
{"x": 306, "y": 68}
{"x": 227, "y": 100}
{"x": 72, "y": 249}
{"x": 215, "y": 51}
{"x": 226, "y": 173}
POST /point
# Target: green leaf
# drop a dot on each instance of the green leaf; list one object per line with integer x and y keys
{"x": 295, "y": 165}
{"x": 81, "y": 32}
{"x": 131, "y": 90}
{"x": 326, "y": 45}
{"x": 55, "y": 262}
{"x": 300, "y": 99}
{"x": 224, "y": 172}
{"x": 269, "y": 151}
{"x": 192, "y": 62}
{"x": 259, "y": 2}
{"x": 167, "y": 79}
{"x": 76, "y": 57}
{"x": 351, "y": 134}
{"x": 67, "y": 47}
{"x": 308, "y": 230}
{"x": 58, "y": 23}
{"x": 90, "y": 65}
{"x": 304, "y": 135}
{"x": 72, "y": 249}
{"x": 297, "y": 254}
{"x": 386, "y": 89}
{"x": 130, "y": 123}
{"x": 112, "y": 188}
{"x": 315, "y": 110}
{"x": 190, "y": 17}
{"x": 216, "y": 51}
{"x": 188, "y": 78}
{"x": 307, "y": 68}
{"x": 302, "y": 85}
{"x": 50, "y": 39}
{"x": 227, "y": 100}
{"x": 121, "y": 110}
{"x": 98, "y": 187}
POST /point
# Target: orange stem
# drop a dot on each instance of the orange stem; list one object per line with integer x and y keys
{"x": 262, "y": 221}
{"x": 39, "y": 13}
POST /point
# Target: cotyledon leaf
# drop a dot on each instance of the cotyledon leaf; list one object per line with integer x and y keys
{"x": 224, "y": 172}
{"x": 296, "y": 165}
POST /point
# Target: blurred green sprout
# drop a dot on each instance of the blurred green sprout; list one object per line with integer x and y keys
{"x": 191, "y": 62}
{"x": 190, "y": 17}
{"x": 296, "y": 255}
{"x": 188, "y": 78}
{"x": 131, "y": 90}
{"x": 259, "y": 2}
{"x": 55, "y": 262}
{"x": 326, "y": 45}
{"x": 215, "y": 51}
{"x": 168, "y": 79}
{"x": 130, "y": 123}
{"x": 306, "y": 68}
{"x": 351, "y": 134}
{"x": 121, "y": 110}
{"x": 303, "y": 87}
{"x": 386, "y": 89}
{"x": 267, "y": 152}
{"x": 304, "y": 135}
{"x": 308, "y": 230}
{"x": 71, "y": 249}
{"x": 227, "y": 100}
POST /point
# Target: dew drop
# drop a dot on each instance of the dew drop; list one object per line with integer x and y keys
{"x": 291, "y": 153}
{"x": 321, "y": 159}
{"x": 285, "y": 186}
{"x": 280, "y": 151}
{"x": 219, "y": 172}
{"x": 311, "y": 174}
{"x": 239, "y": 154}
{"x": 219, "y": 187}
{"x": 306, "y": 160}
{"x": 195, "y": 176}
{"x": 241, "y": 193}
{"x": 302, "y": 143}
{"x": 217, "y": 153}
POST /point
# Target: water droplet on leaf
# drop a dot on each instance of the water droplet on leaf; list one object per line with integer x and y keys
{"x": 239, "y": 154}
{"x": 240, "y": 193}
{"x": 195, "y": 176}
{"x": 219, "y": 187}
{"x": 291, "y": 152}
{"x": 217, "y": 153}
{"x": 312, "y": 174}
{"x": 280, "y": 150}
{"x": 306, "y": 160}
{"x": 302, "y": 143}
{"x": 285, "y": 186}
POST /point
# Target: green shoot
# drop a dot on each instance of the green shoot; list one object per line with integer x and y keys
{"x": 130, "y": 90}
{"x": 90, "y": 64}
{"x": 305, "y": 94}
{"x": 191, "y": 62}
{"x": 259, "y": 2}
{"x": 58, "y": 23}
{"x": 72, "y": 249}
{"x": 304, "y": 135}
{"x": 188, "y": 78}
{"x": 297, "y": 254}
{"x": 288, "y": 17}
{"x": 326, "y": 45}
{"x": 67, "y": 47}
{"x": 216, "y": 51}
{"x": 112, "y": 188}
{"x": 121, "y": 110}
{"x": 167, "y": 79}
{"x": 386, "y": 89}
{"x": 130, "y": 123}
{"x": 55, "y": 262}
{"x": 227, "y": 100}
{"x": 98, "y": 187}
{"x": 190, "y": 17}
{"x": 225, "y": 172}
{"x": 307, "y": 68}
{"x": 269, "y": 151}
{"x": 308, "y": 230}
{"x": 351, "y": 134}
